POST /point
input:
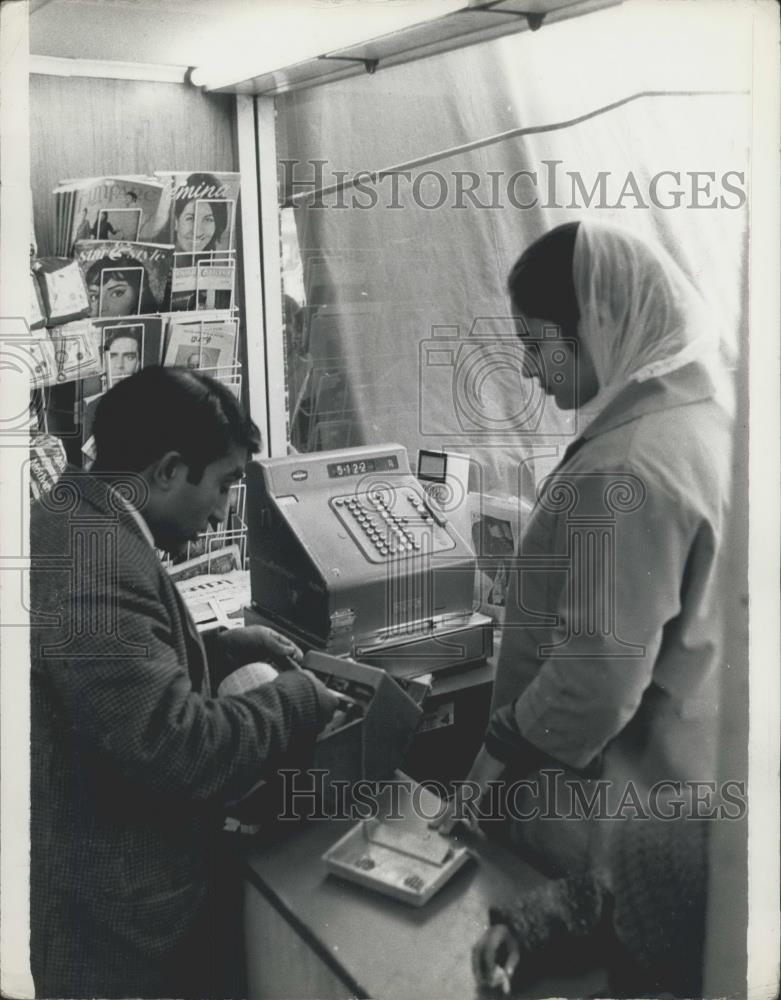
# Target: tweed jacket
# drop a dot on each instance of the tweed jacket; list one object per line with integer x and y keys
{"x": 611, "y": 644}
{"x": 132, "y": 759}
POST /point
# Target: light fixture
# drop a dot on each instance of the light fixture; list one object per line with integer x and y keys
{"x": 106, "y": 69}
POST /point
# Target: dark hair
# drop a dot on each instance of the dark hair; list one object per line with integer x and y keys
{"x": 541, "y": 283}
{"x": 219, "y": 208}
{"x": 124, "y": 268}
{"x": 158, "y": 410}
{"x": 127, "y": 332}
{"x": 131, "y": 194}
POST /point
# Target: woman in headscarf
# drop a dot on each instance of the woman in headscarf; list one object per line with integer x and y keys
{"x": 607, "y": 673}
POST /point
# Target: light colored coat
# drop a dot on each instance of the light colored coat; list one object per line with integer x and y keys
{"x": 611, "y": 643}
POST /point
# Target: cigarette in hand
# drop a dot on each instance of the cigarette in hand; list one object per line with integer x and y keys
{"x": 500, "y": 980}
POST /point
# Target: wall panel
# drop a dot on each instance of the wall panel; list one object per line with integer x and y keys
{"x": 82, "y": 127}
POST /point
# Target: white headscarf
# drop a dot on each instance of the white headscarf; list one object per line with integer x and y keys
{"x": 640, "y": 316}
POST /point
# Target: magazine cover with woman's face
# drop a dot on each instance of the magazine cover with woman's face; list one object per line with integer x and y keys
{"x": 202, "y": 210}
{"x": 124, "y": 278}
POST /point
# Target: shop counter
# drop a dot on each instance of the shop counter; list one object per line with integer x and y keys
{"x": 309, "y": 933}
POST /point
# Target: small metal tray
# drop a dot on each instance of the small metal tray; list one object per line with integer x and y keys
{"x": 397, "y": 857}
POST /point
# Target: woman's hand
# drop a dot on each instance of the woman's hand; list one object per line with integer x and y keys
{"x": 495, "y": 958}
{"x": 463, "y": 807}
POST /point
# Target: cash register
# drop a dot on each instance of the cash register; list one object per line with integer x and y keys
{"x": 349, "y": 556}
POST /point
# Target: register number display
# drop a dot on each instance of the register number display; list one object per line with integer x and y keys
{"x": 385, "y": 463}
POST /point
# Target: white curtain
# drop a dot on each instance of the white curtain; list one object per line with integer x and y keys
{"x": 406, "y": 333}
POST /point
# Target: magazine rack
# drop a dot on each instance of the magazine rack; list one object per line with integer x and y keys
{"x": 229, "y": 375}
{"x": 228, "y": 539}
{"x": 206, "y": 342}
{"x": 206, "y": 282}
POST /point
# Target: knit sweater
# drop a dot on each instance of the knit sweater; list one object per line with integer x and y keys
{"x": 645, "y": 911}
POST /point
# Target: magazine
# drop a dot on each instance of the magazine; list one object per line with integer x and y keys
{"x": 62, "y": 354}
{"x": 206, "y": 282}
{"x": 226, "y": 559}
{"x": 86, "y": 419}
{"x": 123, "y": 346}
{"x": 63, "y": 291}
{"x": 48, "y": 461}
{"x": 107, "y": 208}
{"x": 128, "y": 345}
{"x": 201, "y": 210}
{"x": 41, "y": 361}
{"x": 202, "y": 345}
{"x": 76, "y": 350}
{"x": 62, "y": 204}
{"x": 125, "y": 278}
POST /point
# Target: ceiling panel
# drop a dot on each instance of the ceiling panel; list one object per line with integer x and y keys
{"x": 268, "y": 46}
{"x": 204, "y": 32}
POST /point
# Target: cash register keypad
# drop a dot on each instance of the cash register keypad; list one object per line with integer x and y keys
{"x": 391, "y": 527}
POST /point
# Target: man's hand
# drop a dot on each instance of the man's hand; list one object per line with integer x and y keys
{"x": 327, "y": 700}
{"x": 463, "y": 807}
{"x": 495, "y": 958}
{"x": 258, "y": 642}
{"x": 274, "y": 642}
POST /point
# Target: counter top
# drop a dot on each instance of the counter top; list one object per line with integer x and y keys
{"x": 384, "y": 948}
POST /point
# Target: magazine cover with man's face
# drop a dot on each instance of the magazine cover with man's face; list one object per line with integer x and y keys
{"x": 108, "y": 208}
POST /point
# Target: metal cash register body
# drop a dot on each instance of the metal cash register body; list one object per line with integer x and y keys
{"x": 349, "y": 555}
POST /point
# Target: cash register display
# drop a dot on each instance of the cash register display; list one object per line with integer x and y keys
{"x": 362, "y": 467}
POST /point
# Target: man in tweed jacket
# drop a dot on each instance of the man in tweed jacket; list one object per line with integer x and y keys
{"x": 133, "y": 758}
